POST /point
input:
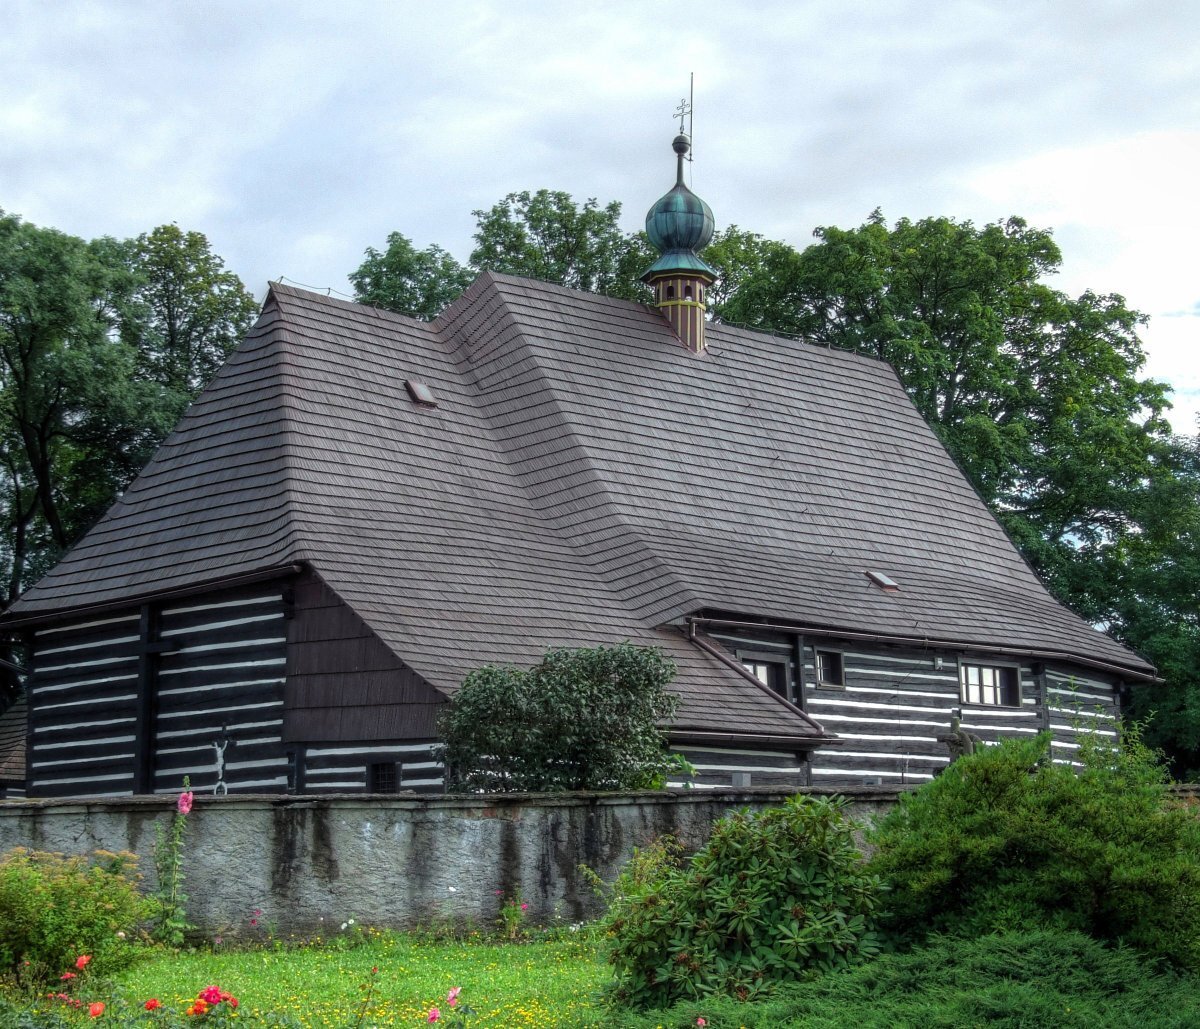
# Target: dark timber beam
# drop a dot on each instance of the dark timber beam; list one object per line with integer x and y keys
{"x": 150, "y": 646}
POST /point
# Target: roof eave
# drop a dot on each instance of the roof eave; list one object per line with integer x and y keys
{"x": 1035, "y": 653}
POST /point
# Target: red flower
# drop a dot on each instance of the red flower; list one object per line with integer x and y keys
{"x": 434, "y": 1015}
{"x": 211, "y": 995}
{"x": 701, "y": 1022}
{"x": 152, "y": 1003}
{"x": 184, "y": 803}
{"x": 82, "y": 960}
{"x": 96, "y": 1008}
{"x": 524, "y": 907}
{"x": 67, "y": 975}
{"x": 233, "y": 1003}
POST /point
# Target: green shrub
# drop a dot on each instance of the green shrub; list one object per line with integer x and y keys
{"x": 775, "y": 896}
{"x": 581, "y": 720}
{"x": 54, "y": 909}
{"x": 1036, "y": 980}
{"x": 1004, "y": 840}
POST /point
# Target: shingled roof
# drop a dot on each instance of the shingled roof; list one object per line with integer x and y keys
{"x": 583, "y": 478}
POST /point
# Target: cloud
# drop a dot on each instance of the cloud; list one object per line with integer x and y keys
{"x": 297, "y": 133}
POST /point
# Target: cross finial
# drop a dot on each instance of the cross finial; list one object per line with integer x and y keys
{"x": 682, "y": 111}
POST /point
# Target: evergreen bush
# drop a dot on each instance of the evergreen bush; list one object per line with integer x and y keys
{"x": 1005, "y": 839}
{"x": 55, "y": 909}
{"x": 1030, "y": 980}
{"x": 776, "y": 895}
{"x": 586, "y": 719}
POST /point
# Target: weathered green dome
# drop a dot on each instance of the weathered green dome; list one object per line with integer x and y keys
{"x": 679, "y": 224}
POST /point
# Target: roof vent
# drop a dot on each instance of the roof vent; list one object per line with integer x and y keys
{"x": 420, "y": 393}
{"x": 883, "y": 582}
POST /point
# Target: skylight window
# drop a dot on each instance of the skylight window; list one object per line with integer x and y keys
{"x": 421, "y": 393}
{"x": 883, "y": 582}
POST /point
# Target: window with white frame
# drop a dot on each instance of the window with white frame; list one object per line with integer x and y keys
{"x": 830, "y": 669}
{"x": 768, "y": 669}
{"x": 997, "y": 685}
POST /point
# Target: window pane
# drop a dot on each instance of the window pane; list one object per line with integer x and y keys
{"x": 829, "y": 668}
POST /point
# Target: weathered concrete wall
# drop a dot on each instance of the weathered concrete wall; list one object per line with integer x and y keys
{"x": 308, "y": 864}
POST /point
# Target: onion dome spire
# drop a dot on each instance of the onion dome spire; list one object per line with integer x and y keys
{"x": 679, "y": 224}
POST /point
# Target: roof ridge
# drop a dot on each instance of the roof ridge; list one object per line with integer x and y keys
{"x": 299, "y": 547}
{"x": 591, "y": 544}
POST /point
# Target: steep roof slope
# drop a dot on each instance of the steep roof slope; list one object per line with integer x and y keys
{"x": 410, "y": 514}
{"x": 584, "y": 478}
{"x": 768, "y": 475}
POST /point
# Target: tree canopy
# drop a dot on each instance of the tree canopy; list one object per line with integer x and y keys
{"x": 102, "y": 344}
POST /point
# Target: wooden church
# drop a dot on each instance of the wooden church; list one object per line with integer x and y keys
{"x": 361, "y": 508}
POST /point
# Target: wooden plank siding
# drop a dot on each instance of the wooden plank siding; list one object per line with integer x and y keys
{"x": 222, "y": 680}
{"x": 895, "y": 701}
{"x": 346, "y": 769}
{"x": 83, "y": 691}
{"x": 132, "y": 702}
{"x": 723, "y": 767}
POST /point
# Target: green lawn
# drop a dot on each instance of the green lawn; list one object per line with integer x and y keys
{"x": 507, "y": 985}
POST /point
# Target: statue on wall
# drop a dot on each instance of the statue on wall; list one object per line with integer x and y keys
{"x": 958, "y": 741}
{"x": 219, "y": 748}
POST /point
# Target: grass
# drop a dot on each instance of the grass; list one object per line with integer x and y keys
{"x": 1033, "y": 980}
{"x": 508, "y": 985}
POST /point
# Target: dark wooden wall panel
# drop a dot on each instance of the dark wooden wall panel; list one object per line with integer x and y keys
{"x": 344, "y": 684}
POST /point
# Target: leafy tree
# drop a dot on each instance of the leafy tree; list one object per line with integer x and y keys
{"x": 1147, "y": 595}
{"x": 546, "y": 235}
{"x": 59, "y": 357}
{"x": 101, "y": 345}
{"x": 1007, "y": 840}
{"x": 738, "y": 256}
{"x": 188, "y": 312}
{"x": 418, "y": 283}
{"x": 585, "y": 719}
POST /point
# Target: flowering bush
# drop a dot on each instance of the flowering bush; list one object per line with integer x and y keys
{"x": 56, "y": 910}
{"x": 513, "y": 912}
{"x": 170, "y": 924}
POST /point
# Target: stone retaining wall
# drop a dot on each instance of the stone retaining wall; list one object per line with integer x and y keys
{"x": 309, "y": 864}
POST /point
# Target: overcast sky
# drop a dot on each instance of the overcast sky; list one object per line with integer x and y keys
{"x": 295, "y": 134}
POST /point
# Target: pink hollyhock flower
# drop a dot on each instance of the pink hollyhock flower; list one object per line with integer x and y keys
{"x": 152, "y": 1003}
{"x": 184, "y": 803}
{"x": 701, "y": 1022}
{"x": 524, "y": 907}
{"x": 434, "y": 1015}
{"x": 452, "y": 996}
{"x": 82, "y": 960}
{"x": 210, "y": 995}
{"x": 96, "y": 1008}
